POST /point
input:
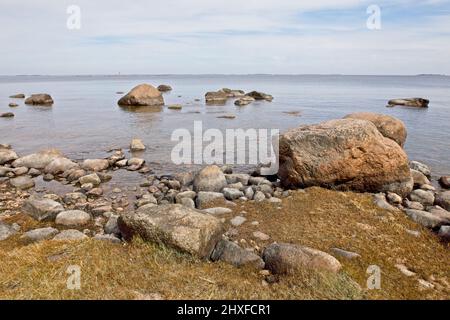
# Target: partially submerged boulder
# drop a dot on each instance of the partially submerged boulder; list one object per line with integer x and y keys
{"x": 176, "y": 226}
{"x": 142, "y": 95}
{"x": 388, "y": 126}
{"x": 216, "y": 98}
{"x": 346, "y": 154}
{"x": 284, "y": 258}
{"x": 409, "y": 102}
{"x": 39, "y": 99}
{"x": 244, "y": 101}
{"x": 260, "y": 96}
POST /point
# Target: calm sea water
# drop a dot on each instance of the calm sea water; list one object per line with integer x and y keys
{"x": 85, "y": 120}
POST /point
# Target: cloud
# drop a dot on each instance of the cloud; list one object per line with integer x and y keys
{"x": 204, "y": 36}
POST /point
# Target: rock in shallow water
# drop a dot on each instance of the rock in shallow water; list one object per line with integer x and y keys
{"x": 39, "y": 99}
{"x": 142, "y": 95}
{"x": 409, "y": 102}
{"x": 176, "y": 226}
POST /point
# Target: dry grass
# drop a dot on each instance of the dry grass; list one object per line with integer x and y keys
{"x": 318, "y": 218}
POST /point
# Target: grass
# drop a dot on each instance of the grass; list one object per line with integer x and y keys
{"x": 318, "y": 218}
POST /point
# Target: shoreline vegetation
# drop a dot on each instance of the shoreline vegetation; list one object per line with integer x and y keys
{"x": 346, "y": 198}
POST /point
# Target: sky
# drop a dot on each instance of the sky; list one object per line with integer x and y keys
{"x": 224, "y": 37}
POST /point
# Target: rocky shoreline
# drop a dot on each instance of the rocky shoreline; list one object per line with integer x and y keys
{"x": 185, "y": 211}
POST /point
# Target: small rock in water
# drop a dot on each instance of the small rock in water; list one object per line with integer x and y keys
{"x": 137, "y": 145}
{"x": 18, "y": 96}
{"x": 13, "y": 105}
{"x": 90, "y": 178}
{"x": 227, "y": 116}
{"x": 39, "y": 99}
{"x": 175, "y": 107}
{"x": 7, "y": 115}
{"x": 164, "y": 88}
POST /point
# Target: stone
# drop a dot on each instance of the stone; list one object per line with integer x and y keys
{"x": 111, "y": 226}
{"x": 249, "y": 193}
{"x": 60, "y": 165}
{"x": 74, "y": 198}
{"x": 345, "y": 254}
{"x": 137, "y": 145}
{"x": 73, "y": 175}
{"x": 418, "y": 166}
{"x": 37, "y": 160}
{"x": 210, "y": 179}
{"x": 244, "y": 101}
{"x": 441, "y": 213}
{"x": 7, "y": 115}
{"x": 121, "y": 163}
{"x": 42, "y": 209}
{"x": 259, "y": 196}
{"x": 388, "y": 126}
{"x": 258, "y": 181}
{"x": 185, "y": 229}
{"x": 39, "y": 99}
{"x": 185, "y": 194}
{"x": 424, "y": 197}
{"x": 283, "y": 258}
{"x": 185, "y": 178}
{"x": 237, "y": 185}
{"x": 164, "y": 88}
{"x": 345, "y": 154}
{"x": 204, "y": 198}
{"x": 6, "y": 231}
{"x": 73, "y": 218}
{"x": 425, "y": 218}
{"x": 95, "y": 164}
{"x": 419, "y": 178}
{"x": 232, "y": 194}
{"x": 413, "y": 205}
{"x": 107, "y": 237}
{"x": 409, "y": 102}
{"x": 260, "y": 236}
{"x": 394, "y": 198}
{"x": 403, "y": 269}
{"x": 443, "y": 200}
{"x": 40, "y": 234}
{"x": 231, "y": 253}
{"x": 22, "y": 182}
{"x": 96, "y": 192}
{"x": 93, "y": 178}
{"x": 70, "y": 235}
{"x": 142, "y": 95}
{"x": 218, "y": 211}
{"x": 444, "y": 232}
{"x": 135, "y": 163}
{"x": 260, "y": 96}
{"x": 237, "y": 178}
{"x": 237, "y": 221}
{"x": 216, "y": 98}
{"x": 18, "y": 96}
{"x": 20, "y": 171}
{"x": 7, "y": 155}
{"x": 175, "y": 107}
{"x": 13, "y": 105}
{"x": 187, "y": 202}
{"x": 227, "y": 116}
{"x": 444, "y": 181}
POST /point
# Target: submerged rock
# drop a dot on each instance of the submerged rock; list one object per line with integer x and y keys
{"x": 176, "y": 226}
{"x": 388, "y": 126}
{"x": 39, "y": 99}
{"x": 142, "y": 95}
{"x": 410, "y": 102}
{"x": 345, "y": 154}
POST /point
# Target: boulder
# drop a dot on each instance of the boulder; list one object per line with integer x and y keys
{"x": 205, "y": 198}
{"x": 418, "y": 166}
{"x": 142, "y": 95}
{"x": 443, "y": 181}
{"x": 7, "y": 155}
{"x": 388, "y": 126}
{"x": 211, "y": 179}
{"x": 230, "y": 252}
{"x": 283, "y": 258}
{"x": 40, "y": 234}
{"x": 42, "y": 209}
{"x": 425, "y": 218}
{"x": 18, "y": 96}
{"x": 440, "y": 213}
{"x": 111, "y": 226}
{"x": 137, "y": 145}
{"x": 90, "y": 178}
{"x": 409, "y": 102}
{"x": 164, "y": 88}
{"x": 70, "y": 235}
{"x": 38, "y": 160}
{"x": 176, "y": 226}
{"x": 95, "y": 164}
{"x": 22, "y": 182}
{"x": 237, "y": 177}
{"x": 60, "y": 165}
{"x": 244, "y": 101}
{"x": 232, "y": 194}
{"x": 419, "y": 178}
{"x": 345, "y": 154}
{"x": 443, "y": 200}
{"x": 40, "y": 99}
{"x": 73, "y": 218}
{"x": 260, "y": 96}
{"x": 6, "y": 231}
{"x": 216, "y": 98}
{"x": 426, "y": 198}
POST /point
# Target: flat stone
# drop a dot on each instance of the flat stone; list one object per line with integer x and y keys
{"x": 73, "y": 218}
{"x": 22, "y": 182}
{"x": 218, "y": 211}
{"x": 42, "y": 209}
{"x": 70, "y": 235}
